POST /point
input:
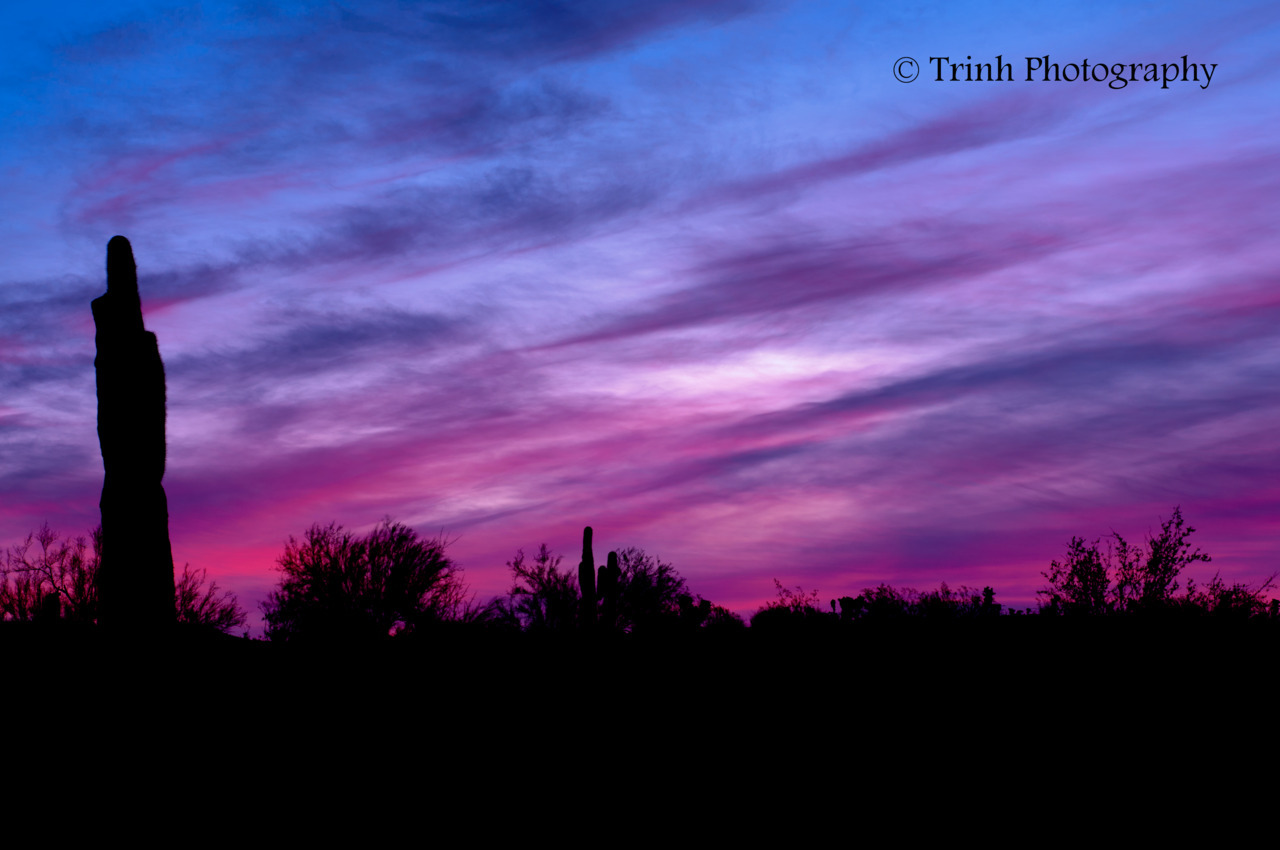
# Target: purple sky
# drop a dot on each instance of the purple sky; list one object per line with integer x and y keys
{"x": 702, "y": 275}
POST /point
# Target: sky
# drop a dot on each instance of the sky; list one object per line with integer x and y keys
{"x": 706, "y": 276}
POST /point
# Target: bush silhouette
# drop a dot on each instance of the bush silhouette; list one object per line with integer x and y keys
{"x": 47, "y": 575}
{"x": 1127, "y": 578}
{"x": 51, "y": 577}
{"x": 649, "y": 591}
{"x": 542, "y": 597}
{"x": 634, "y": 591}
{"x": 792, "y": 609}
{"x": 335, "y": 585}
{"x": 198, "y": 603}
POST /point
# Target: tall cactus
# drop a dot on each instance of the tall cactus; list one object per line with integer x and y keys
{"x": 597, "y": 589}
{"x": 135, "y": 578}
{"x": 608, "y": 588}
{"x": 587, "y": 581}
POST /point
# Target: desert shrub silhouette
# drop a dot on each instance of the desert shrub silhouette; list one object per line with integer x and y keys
{"x": 650, "y": 592}
{"x": 792, "y": 610}
{"x": 48, "y": 576}
{"x": 335, "y": 585}
{"x": 633, "y": 592}
{"x": 542, "y": 597}
{"x": 1143, "y": 578}
{"x": 199, "y": 602}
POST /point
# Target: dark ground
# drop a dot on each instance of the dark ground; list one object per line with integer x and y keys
{"x": 996, "y": 718}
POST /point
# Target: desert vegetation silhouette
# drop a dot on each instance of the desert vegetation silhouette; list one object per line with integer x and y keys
{"x": 390, "y": 583}
{"x": 48, "y": 577}
{"x": 1123, "y": 578}
{"x": 335, "y": 585}
{"x": 633, "y": 592}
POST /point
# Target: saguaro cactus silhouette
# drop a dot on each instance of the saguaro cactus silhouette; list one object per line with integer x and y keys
{"x": 598, "y": 587}
{"x": 587, "y": 581}
{"x": 135, "y": 578}
{"x": 607, "y": 588}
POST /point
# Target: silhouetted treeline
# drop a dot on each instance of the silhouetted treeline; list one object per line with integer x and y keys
{"x": 1120, "y": 579}
{"x": 337, "y": 586}
{"x": 883, "y": 602}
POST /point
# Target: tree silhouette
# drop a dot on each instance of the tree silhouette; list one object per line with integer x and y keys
{"x": 335, "y": 584}
{"x": 1147, "y": 577}
{"x": 1081, "y": 583}
{"x": 720, "y": 618}
{"x": 649, "y": 591}
{"x": 200, "y": 604}
{"x": 947, "y": 603}
{"x": 791, "y": 609}
{"x": 636, "y": 591}
{"x": 1143, "y": 578}
{"x": 1231, "y": 601}
{"x": 885, "y": 602}
{"x": 49, "y": 577}
{"x": 542, "y": 597}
